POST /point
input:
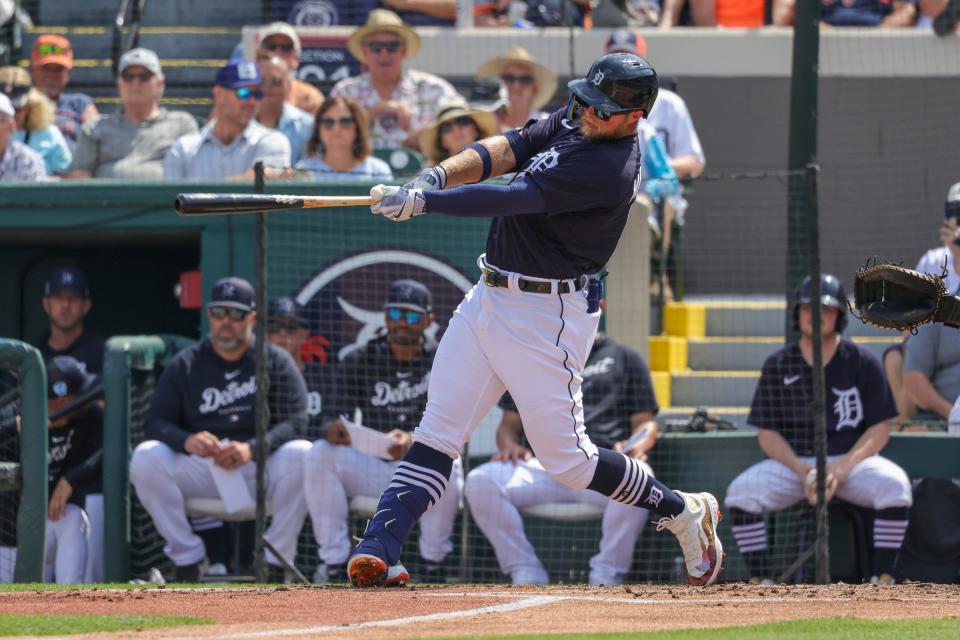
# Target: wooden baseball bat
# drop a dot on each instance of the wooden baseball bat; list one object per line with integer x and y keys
{"x": 215, "y": 204}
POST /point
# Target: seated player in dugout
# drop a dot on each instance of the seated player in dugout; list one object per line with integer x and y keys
{"x": 202, "y": 414}
{"x": 387, "y": 382}
{"x": 619, "y": 411}
{"x": 66, "y": 302}
{"x": 859, "y": 408}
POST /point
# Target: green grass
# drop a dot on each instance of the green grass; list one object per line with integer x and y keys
{"x": 809, "y": 629}
{"x": 30, "y": 624}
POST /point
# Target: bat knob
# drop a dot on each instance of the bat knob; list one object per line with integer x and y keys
{"x": 376, "y": 193}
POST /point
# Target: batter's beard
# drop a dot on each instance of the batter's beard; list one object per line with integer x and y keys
{"x": 596, "y": 136}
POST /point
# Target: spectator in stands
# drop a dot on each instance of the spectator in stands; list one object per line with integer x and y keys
{"x": 229, "y": 146}
{"x": 132, "y": 142}
{"x": 620, "y": 409}
{"x": 398, "y": 102}
{"x": 942, "y": 15}
{"x": 276, "y": 112}
{"x": 51, "y": 60}
{"x": 715, "y": 13}
{"x": 530, "y": 85}
{"x": 456, "y": 126}
{"x": 339, "y": 146}
{"x": 34, "y": 118}
{"x": 859, "y": 407}
{"x": 855, "y": 13}
{"x": 66, "y": 301}
{"x": 559, "y": 13}
{"x": 387, "y": 381}
{"x": 328, "y": 13}
{"x": 203, "y": 413}
{"x": 281, "y": 40}
{"x": 18, "y": 162}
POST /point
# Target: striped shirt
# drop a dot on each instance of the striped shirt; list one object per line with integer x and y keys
{"x": 20, "y": 163}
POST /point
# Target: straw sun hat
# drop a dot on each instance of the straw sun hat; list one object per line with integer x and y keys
{"x": 378, "y": 21}
{"x": 486, "y": 123}
{"x": 546, "y": 79}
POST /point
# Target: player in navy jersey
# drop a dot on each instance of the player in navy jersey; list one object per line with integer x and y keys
{"x": 619, "y": 409}
{"x": 203, "y": 412}
{"x": 386, "y": 382}
{"x": 859, "y": 406}
{"x": 530, "y": 322}
{"x": 66, "y": 301}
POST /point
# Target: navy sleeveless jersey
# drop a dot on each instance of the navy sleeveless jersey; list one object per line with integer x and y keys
{"x": 588, "y": 188}
{"x": 857, "y": 397}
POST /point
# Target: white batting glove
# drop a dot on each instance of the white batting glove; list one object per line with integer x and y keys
{"x": 397, "y": 203}
{"x": 432, "y": 179}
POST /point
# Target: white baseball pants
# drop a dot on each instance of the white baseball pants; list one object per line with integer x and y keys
{"x": 533, "y": 345}
{"x": 93, "y": 505}
{"x": 8, "y": 562}
{"x": 497, "y": 491}
{"x": 874, "y": 483}
{"x": 164, "y": 479}
{"x": 66, "y": 547}
{"x": 335, "y": 473}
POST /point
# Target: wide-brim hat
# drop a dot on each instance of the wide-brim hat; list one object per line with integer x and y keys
{"x": 383, "y": 20}
{"x": 545, "y": 78}
{"x": 428, "y": 138}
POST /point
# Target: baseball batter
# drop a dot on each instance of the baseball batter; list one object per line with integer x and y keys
{"x": 859, "y": 405}
{"x": 618, "y": 403}
{"x": 530, "y": 322}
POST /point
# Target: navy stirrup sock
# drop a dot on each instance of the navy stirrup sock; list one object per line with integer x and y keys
{"x": 623, "y": 479}
{"x": 416, "y": 486}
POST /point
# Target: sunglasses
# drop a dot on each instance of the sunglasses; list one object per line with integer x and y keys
{"x": 288, "y": 326}
{"x": 245, "y": 93}
{"x": 390, "y": 47}
{"x": 525, "y": 81}
{"x": 576, "y": 105}
{"x": 345, "y": 122}
{"x": 130, "y": 76}
{"x": 51, "y": 49}
{"x": 219, "y": 313}
{"x": 395, "y": 314}
{"x": 461, "y": 121}
{"x": 286, "y": 47}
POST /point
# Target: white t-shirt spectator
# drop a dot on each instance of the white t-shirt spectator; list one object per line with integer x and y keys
{"x": 202, "y": 155}
{"x": 933, "y": 262}
{"x": 671, "y": 118}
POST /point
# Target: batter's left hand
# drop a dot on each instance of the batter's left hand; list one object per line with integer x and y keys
{"x": 233, "y": 454}
{"x": 402, "y": 441}
{"x": 397, "y": 203}
{"x": 58, "y": 499}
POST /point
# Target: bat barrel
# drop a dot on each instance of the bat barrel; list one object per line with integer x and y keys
{"x": 221, "y": 203}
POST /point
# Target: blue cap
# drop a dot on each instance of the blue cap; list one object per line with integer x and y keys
{"x": 69, "y": 278}
{"x": 626, "y": 41}
{"x": 242, "y": 73}
{"x": 67, "y": 376}
{"x": 233, "y": 292}
{"x": 285, "y": 308}
{"x": 409, "y": 294}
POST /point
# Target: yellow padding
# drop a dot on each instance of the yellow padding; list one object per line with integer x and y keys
{"x": 661, "y": 387}
{"x": 685, "y": 319}
{"x": 668, "y": 353}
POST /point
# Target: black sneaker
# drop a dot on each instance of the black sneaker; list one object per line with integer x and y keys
{"x": 432, "y": 572}
{"x": 330, "y": 573}
{"x": 276, "y": 573}
{"x": 187, "y": 573}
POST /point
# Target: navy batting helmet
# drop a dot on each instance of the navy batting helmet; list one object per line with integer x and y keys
{"x": 616, "y": 83}
{"x": 831, "y": 294}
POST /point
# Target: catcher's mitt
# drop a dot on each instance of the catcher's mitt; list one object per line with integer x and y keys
{"x": 889, "y": 296}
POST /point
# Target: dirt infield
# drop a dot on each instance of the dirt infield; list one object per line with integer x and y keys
{"x": 422, "y": 612}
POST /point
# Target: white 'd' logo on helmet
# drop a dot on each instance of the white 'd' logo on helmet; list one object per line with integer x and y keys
{"x": 597, "y": 78}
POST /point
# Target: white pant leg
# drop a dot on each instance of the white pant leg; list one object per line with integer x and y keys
{"x": 66, "y": 546}
{"x": 463, "y": 386}
{"x": 8, "y": 562}
{"x": 436, "y": 525}
{"x": 163, "y": 479}
{"x": 621, "y": 527}
{"x": 537, "y": 344}
{"x": 93, "y": 505}
{"x": 877, "y": 483}
{"x": 764, "y": 487}
{"x": 288, "y": 507}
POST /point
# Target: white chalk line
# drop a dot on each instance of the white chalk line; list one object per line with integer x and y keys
{"x": 687, "y": 601}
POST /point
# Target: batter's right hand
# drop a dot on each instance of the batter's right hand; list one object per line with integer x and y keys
{"x": 432, "y": 179}
{"x": 514, "y": 453}
{"x": 337, "y": 433}
{"x": 202, "y": 443}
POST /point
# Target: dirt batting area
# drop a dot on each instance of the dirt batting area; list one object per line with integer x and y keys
{"x": 460, "y": 611}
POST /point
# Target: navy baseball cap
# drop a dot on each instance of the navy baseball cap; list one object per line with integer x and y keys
{"x": 626, "y": 41}
{"x": 409, "y": 294}
{"x": 69, "y": 278}
{"x": 67, "y": 376}
{"x": 233, "y": 292}
{"x": 241, "y": 73}
{"x": 285, "y": 307}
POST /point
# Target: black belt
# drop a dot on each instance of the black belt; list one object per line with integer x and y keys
{"x": 493, "y": 278}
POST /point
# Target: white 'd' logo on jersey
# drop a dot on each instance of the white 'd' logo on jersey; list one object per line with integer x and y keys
{"x": 597, "y": 78}
{"x": 543, "y": 161}
{"x": 214, "y": 398}
{"x": 848, "y": 408}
